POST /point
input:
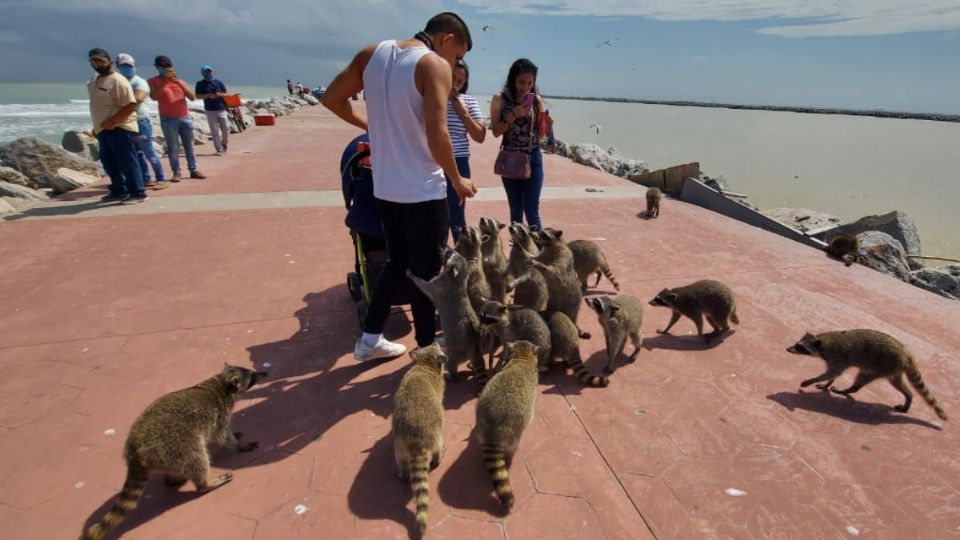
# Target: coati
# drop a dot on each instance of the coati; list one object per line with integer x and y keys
{"x": 565, "y": 344}
{"x": 418, "y": 424}
{"x": 555, "y": 262}
{"x": 494, "y": 262}
{"x": 706, "y": 297}
{"x": 469, "y": 247}
{"x": 878, "y": 355}
{"x": 653, "y": 202}
{"x": 620, "y": 317}
{"x": 504, "y": 409}
{"x": 529, "y": 287}
{"x": 461, "y": 327}
{"x": 171, "y": 435}
{"x": 513, "y": 323}
{"x": 588, "y": 259}
{"x": 845, "y": 247}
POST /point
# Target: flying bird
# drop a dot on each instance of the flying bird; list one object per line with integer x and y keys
{"x": 608, "y": 43}
{"x": 486, "y": 27}
{"x": 596, "y": 127}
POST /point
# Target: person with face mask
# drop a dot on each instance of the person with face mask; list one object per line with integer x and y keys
{"x": 171, "y": 95}
{"x": 112, "y": 109}
{"x": 146, "y": 154}
{"x": 211, "y": 91}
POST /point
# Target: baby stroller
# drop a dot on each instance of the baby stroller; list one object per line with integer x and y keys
{"x": 370, "y": 247}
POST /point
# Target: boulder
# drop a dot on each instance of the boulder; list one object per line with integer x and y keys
{"x": 632, "y": 169}
{"x": 897, "y": 224}
{"x": 884, "y": 253}
{"x": 18, "y": 191}
{"x": 39, "y": 161}
{"x": 801, "y": 219}
{"x": 7, "y": 208}
{"x": 81, "y": 142}
{"x": 69, "y": 179}
{"x": 13, "y": 176}
{"x": 943, "y": 280}
{"x": 592, "y": 155}
{"x": 311, "y": 100}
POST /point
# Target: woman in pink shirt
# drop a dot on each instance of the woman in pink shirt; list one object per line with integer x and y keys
{"x": 171, "y": 95}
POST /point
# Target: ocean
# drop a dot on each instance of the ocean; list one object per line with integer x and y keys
{"x": 848, "y": 166}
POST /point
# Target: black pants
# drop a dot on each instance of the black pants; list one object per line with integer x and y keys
{"x": 415, "y": 233}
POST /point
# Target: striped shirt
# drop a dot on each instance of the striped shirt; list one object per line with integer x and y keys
{"x": 458, "y": 132}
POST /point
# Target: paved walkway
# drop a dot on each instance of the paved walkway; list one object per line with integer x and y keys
{"x": 102, "y": 309}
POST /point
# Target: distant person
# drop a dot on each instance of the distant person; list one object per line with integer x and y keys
{"x": 171, "y": 95}
{"x": 212, "y": 91}
{"x": 113, "y": 109}
{"x": 518, "y": 123}
{"x": 409, "y": 83}
{"x": 289, "y": 87}
{"x": 299, "y": 89}
{"x": 147, "y": 155}
{"x": 463, "y": 117}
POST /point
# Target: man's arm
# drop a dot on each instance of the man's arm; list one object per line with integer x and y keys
{"x": 437, "y": 81}
{"x": 121, "y": 115}
{"x": 140, "y": 95}
{"x": 347, "y": 83}
{"x": 186, "y": 90}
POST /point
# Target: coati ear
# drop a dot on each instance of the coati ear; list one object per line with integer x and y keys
{"x": 817, "y": 344}
{"x": 500, "y": 226}
{"x": 233, "y": 380}
{"x": 614, "y": 308}
{"x": 484, "y": 238}
{"x": 558, "y": 233}
{"x": 672, "y": 296}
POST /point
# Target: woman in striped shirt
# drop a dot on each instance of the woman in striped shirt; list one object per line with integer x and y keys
{"x": 463, "y": 117}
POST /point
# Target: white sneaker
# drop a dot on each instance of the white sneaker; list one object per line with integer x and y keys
{"x": 383, "y": 349}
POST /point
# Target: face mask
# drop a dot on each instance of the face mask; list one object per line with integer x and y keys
{"x": 162, "y": 71}
{"x": 208, "y": 76}
{"x": 102, "y": 70}
{"x": 127, "y": 71}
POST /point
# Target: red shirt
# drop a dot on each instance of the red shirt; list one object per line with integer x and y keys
{"x": 172, "y": 102}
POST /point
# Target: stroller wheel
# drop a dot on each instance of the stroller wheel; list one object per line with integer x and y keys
{"x": 362, "y": 308}
{"x": 355, "y": 286}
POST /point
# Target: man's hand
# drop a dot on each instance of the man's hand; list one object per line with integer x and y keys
{"x": 107, "y": 125}
{"x": 465, "y": 189}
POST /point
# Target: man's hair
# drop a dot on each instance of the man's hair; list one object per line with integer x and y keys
{"x": 449, "y": 23}
{"x": 98, "y": 52}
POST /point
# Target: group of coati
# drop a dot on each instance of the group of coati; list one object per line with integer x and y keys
{"x": 524, "y": 306}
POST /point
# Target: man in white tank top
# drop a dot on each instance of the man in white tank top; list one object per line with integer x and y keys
{"x": 406, "y": 84}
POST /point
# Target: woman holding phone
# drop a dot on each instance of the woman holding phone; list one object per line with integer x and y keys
{"x": 463, "y": 118}
{"x": 515, "y": 113}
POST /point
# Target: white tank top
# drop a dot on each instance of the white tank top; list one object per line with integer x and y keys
{"x": 404, "y": 170}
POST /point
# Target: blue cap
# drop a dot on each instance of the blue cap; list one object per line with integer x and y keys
{"x": 205, "y": 67}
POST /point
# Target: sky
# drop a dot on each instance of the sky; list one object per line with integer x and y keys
{"x": 901, "y": 55}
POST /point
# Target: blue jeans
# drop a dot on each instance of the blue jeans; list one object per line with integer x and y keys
{"x": 523, "y": 194}
{"x": 146, "y": 154}
{"x": 118, "y": 153}
{"x": 175, "y": 131}
{"x": 458, "y": 217}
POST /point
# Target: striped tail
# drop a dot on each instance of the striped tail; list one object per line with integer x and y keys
{"x": 419, "y": 469}
{"x": 733, "y": 316}
{"x": 605, "y": 268}
{"x": 913, "y": 375}
{"x": 126, "y": 502}
{"x": 495, "y": 461}
{"x": 581, "y": 373}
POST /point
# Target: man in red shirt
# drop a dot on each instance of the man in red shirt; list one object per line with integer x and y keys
{"x": 171, "y": 95}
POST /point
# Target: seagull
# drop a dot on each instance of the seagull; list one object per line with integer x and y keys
{"x": 608, "y": 43}
{"x": 486, "y": 27}
{"x": 596, "y": 127}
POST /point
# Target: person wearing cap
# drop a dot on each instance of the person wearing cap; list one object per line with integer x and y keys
{"x": 211, "y": 91}
{"x": 146, "y": 154}
{"x": 112, "y": 109}
{"x": 171, "y": 95}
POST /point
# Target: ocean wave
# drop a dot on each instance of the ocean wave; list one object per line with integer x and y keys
{"x": 43, "y": 114}
{"x": 80, "y": 101}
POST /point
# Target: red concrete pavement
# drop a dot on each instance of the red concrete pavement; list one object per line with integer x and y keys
{"x": 102, "y": 315}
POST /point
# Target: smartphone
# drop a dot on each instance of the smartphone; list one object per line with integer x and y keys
{"x": 529, "y": 99}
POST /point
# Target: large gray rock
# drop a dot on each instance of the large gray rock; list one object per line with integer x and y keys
{"x": 81, "y": 142}
{"x": 311, "y": 100}
{"x": 592, "y": 155}
{"x": 19, "y": 191}
{"x": 884, "y": 253}
{"x": 13, "y": 176}
{"x": 943, "y": 280}
{"x": 801, "y": 219}
{"x": 69, "y": 180}
{"x": 897, "y": 224}
{"x": 39, "y": 161}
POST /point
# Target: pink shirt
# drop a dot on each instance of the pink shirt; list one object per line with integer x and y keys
{"x": 172, "y": 102}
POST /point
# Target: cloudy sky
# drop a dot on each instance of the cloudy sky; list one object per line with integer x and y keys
{"x": 888, "y": 54}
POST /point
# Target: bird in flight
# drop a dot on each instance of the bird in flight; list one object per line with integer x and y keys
{"x": 608, "y": 43}
{"x": 486, "y": 27}
{"x": 596, "y": 127}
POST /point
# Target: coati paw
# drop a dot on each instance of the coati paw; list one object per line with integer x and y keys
{"x": 583, "y": 335}
{"x": 663, "y": 332}
{"x": 237, "y": 435}
{"x": 173, "y": 482}
{"x": 608, "y": 370}
{"x": 249, "y": 447}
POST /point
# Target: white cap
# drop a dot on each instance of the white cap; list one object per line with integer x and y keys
{"x": 124, "y": 59}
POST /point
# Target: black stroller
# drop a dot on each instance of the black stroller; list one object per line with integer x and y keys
{"x": 370, "y": 248}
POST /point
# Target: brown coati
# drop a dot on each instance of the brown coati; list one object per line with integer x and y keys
{"x": 706, "y": 297}
{"x": 621, "y": 318}
{"x": 565, "y": 344}
{"x": 588, "y": 259}
{"x": 529, "y": 287}
{"x": 845, "y": 247}
{"x": 555, "y": 262}
{"x": 494, "y": 261}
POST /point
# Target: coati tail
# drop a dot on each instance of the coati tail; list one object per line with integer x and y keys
{"x": 916, "y": 381}
{"x": 733, "y": 316}
{"x": 581, "y": 373}
{"x": 605, "y": 268}
{"x": 420, "y": 486}
{"x": 126, "y": 502}
{"x": 495, "y": 461}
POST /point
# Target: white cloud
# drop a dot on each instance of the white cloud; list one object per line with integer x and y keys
{"x": 803, "y": 18}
